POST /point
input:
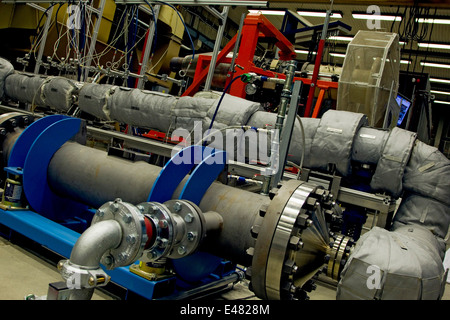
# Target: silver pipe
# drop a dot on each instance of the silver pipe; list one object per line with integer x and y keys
{"x": 89, "y": 249}
{"x": 285, "y": 99}
{"x": 81, "y": 294}
{"x": 92, "y": 177}
{"x": 94, "y": 242}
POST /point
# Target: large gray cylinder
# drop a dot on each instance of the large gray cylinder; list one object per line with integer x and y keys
{"x": 92, "y": 177}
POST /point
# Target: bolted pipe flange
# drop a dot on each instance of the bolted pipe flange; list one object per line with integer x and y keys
{"x": 161, "y": 217}
{"x": 192, "y": 232}
{"x": 293, "y": 233}
{"x": 134, "y": 235}
{"x": 338, "y": 253}
{"x": 180, "y": 227}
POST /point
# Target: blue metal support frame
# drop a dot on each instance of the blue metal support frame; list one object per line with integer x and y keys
{"x": 61, "y": 240}
{"x": 31, "y": 156}
{"x": 208, "y": 164}
{"x": 32, "y": 152}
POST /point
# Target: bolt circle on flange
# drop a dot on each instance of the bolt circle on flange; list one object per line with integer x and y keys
{"x": 180, "y": 227}
{"x": 293, "y": 230}
{"x": 134, "y": 234}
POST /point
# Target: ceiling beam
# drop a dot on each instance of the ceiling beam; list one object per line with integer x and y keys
{"x": 403, "y": 3}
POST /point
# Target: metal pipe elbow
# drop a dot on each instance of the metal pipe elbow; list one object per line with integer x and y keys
{"x": 95, "y": 242}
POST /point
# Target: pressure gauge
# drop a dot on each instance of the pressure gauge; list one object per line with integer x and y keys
{"x": 250, "y": 89}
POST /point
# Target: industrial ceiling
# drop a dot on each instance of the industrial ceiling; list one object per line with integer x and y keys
{"x": 411, "y": 34}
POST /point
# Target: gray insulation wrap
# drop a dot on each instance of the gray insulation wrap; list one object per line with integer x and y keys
{"x": 155, "y": 110}
{"x": 25, "y": 87}
{"x": 93, "y": 99}
{"x": 394, "y": 157}
{"x": 428, "y": 173}
{"x": 55, "y": 92}
{"x": 399, "y": 265}
{"x": 427, "y": 212}
{"x": 6, "y": 69}
{"x": 368, "y": 145}
{"x": 334, "y": 138}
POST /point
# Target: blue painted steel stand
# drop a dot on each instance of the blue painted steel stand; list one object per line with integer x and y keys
{"x": 31, "y": 156}
{"x": 61, "y": 240}
{"x": 199, "y": 265}
{"x": 32, "y": 152}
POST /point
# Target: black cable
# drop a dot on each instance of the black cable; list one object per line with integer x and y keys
{"x": 56, "y": 20}
{"x": 429, "y": 40}
{"x": 40, "y": 20}
{"x": 396, "y": 14}
{"x": 220, "y": 100}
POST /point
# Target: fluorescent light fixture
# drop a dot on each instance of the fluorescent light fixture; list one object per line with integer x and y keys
{"x": 439, "y": 80}
{"x": 441, "y": 102}
{"x": 319, "y": 14}
{"x": 435, "y": 65}
{"x": 304, "y": 51}
{"x": 367, "y": 16}
{"x": 268, "y": 12}
{"x": 433, "y": 21}
{"x": 433, "y": 45}
{"x": 405, "y": 61}
{"x": 349, "y": 39}
{"x": 335, "y": 54}
{"x": 440, "y": 92}
{"x": 340, "y": 38}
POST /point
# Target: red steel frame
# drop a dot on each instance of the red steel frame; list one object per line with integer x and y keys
{"x": 255, "y": 27}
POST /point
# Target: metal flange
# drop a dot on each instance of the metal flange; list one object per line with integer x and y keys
{"x": 338, "y": 255}
{"x": 134, "y": 236}
{"x": 291, "y": 242}
{"x": 180, "y": 227}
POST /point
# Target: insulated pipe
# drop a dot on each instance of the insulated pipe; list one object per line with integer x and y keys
{"x": 92, "y": 177}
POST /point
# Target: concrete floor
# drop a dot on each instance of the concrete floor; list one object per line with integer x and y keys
{"x": 22, "y": 272}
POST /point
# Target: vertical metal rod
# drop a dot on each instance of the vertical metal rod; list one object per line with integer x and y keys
{"x": 236, "y": 45}
{"x": 285, "y": 98}
{"x": 217, "y": 45}
{"x": 386, "y": 114}
{"x": 88, "y": 61}
{"x": 148, "y": 49}
{"x": 43, "y": 41}
{"x": 317, "y": 63}
{"x": 287, "y": 132}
